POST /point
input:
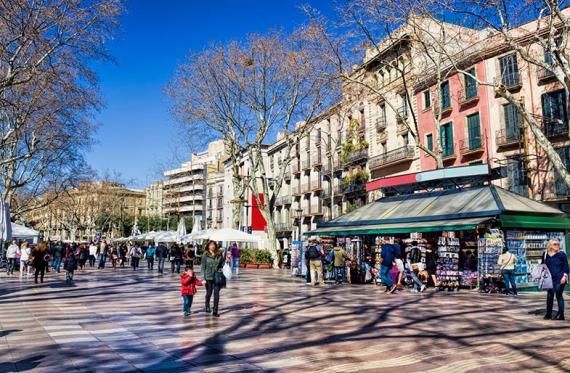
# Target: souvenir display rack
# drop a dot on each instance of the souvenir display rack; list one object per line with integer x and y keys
{"x": 490, "y": 248}
{"x": 447, "y": 273}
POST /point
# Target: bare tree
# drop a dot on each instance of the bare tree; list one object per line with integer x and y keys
{"x": 48, "y": 91}
{"x": 267, "y": 84}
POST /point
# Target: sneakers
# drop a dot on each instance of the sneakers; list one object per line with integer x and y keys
{"x": 422, "y": 289}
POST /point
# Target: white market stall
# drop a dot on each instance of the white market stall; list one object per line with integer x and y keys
{"x": 20, "y": 232}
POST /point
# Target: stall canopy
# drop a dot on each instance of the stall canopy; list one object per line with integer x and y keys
{"x": 457, "y": 209}
{"x": 21, "y": 232}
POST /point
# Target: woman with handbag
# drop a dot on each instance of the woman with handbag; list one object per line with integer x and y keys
{"x": 212, "y": 262}
{"x": 557, "y": 263}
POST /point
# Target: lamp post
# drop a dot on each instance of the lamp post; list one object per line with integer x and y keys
{"x": 298, "y": 215}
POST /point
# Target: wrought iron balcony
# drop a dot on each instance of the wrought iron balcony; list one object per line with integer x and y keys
{"x": 354, "y": 188}
{"x": 555, "y": 127}
{"x": 402, "y": 128}
{"x": 316, "y": 208}
{"x": 357, "y": 156}
{"x": 381, "y": 124}
{"x": 505, "y": 138}
{"x": 511, "y": 81}
{"x": 295, "y": 167}
{"x": 306, "y": 164}
{"x": 399, "y": 155}
{"x": 306, "y": 188}
{"x": 545, "y": 74}
{"x": 468, "y": 95}
{"x": 283, "y": 227}
{"x": 316, "y": 185}
{"x": 402, "y": 114}
{"x": 471, "y": 146}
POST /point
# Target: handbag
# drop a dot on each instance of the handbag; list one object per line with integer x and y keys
{"x": 545, "y": 281}
{"x": 219, "y": 279}
{"x": 227, "y": 271}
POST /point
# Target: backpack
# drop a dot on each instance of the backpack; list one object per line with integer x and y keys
{"x": 330, "y": 256}
{"x": 313, "y": 253}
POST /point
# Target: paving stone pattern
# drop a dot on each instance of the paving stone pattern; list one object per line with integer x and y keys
{"x": 129, "y": 321}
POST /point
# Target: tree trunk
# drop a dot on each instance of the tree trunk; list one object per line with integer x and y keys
{"x": 236, "y": 207}
{"x": 272, "y": 237}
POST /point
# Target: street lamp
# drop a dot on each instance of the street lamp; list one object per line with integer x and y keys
{"x": 298, "y": 215}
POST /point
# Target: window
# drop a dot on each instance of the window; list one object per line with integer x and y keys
{"x": 362, "y": 118}
{"x": 516, "y": 176}
{"x": 383, "y": 147}
{"x": 445, "y": 96}
{"x": 429, "y": 141}
{"x": 513, "y": 122}
{"x": 405, "y": 140}
{"x": 446, "y": 135}
{"x": 554, "y": 113}
{"x": 474, "y": 131}
{"x": 560, "y": 187}
{"x": 382, "y": 111}
{"x": 509, "y": 70}
{"x": 427, "y": 99}
{"x": 404, "y": 108}
{"x": 470, "y": 84}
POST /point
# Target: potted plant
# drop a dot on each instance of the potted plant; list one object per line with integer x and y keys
{"x": 264, "y": 259}
{"x": 247, "y": 257}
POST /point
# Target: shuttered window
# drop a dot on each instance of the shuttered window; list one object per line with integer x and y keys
{"x": 474, "y": 131}
{"x": 429, "y": 141}
{"x": 560, "y": 186}
{"x": 516, "y": 175}
{"x": 513, "y": 122}
{"x": 470, "y": 84}
{"x": 446, "y": 135}
{"x": 509, "y": 70}
{"x": 445, "y": 96}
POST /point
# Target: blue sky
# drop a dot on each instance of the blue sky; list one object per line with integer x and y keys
{"x": 137, "y": 136}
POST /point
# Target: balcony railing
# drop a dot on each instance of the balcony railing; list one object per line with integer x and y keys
{"x": 381, "y": 124}
{"x": 306, "y": 188}
{"x": 402, "y": 128}
{"x": 510, "y": 80}
{"x": 402, "y": 113}
{"x": 545, "y": 74}
{"x": 399, "y": 155}
{"x": 448, "y": 152}
{"x": 295, "y": 167}
{"x": 357, "y": 156}
{"x": 506, "y": 137}
{"x": 353, "y": 188}
{"x": 471, "y": 146}
{"x": 327, "y": 192}
{"x": 287, "y": 175}
{"x": 317, "y": 162}
{"x": 555, "y": 127}
{"x": 286, "y": 200}
{"x": 306, "y": 164}
{"x": 316, "y": 208}
{"x": 296, "y": 190}
{"x": 283, "y": 227}
{"x": 316, "y": 184}
{"x": 468, "y": 94}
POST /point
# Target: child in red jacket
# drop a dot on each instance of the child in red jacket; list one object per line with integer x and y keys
{"x": 188, "y": 282}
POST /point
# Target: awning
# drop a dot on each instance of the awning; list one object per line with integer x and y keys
{"x": 535, "y": 222}
{"x": 424, "y": 226}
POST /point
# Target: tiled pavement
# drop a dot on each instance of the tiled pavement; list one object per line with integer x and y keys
{"x": 128, "y": 321}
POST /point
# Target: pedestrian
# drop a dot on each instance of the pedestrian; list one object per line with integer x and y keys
{"x": 339, "y": 264}
{"x": 92, "y": 254}
{"x": 150, "y": 250}
{"x": 212, "y": 262}
{"x": 114, "y": 256}
{"x": 57, "y": 253}
{"x": 235, "y": 251}
{"x": 70, "y": 265}
{"x": 25, "y": 252}
{"x": 161, "y": 255}
{"x": 387, "y": 255}
{"x": 507, "y": 263}
{"x": 557, "y": 263}
{"x": 11, "y": 254}
{"x": 431, "y": 264}
{"x": 83, "y": 255}
{"x": 122, "y": 255}
{"x": 103, "y": 253}
{"x": 188, "y": 283}
{"x": 314, "y": 254}
{"x": 175, "y": 258}
{"x": 39, "y": 259}
{"x": 135, "y": 254}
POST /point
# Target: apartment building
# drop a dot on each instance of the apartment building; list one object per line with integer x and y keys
{"x": 154, "y": 199}
{"x": 214, "y": 198}
{"x": 185, "y": 187}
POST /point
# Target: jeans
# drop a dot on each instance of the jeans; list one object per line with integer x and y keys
{"x": 11, "y": 266}
{"x": 187, "y": 304}
{"x": 386, "y": 276}
{"x": 211, "y": 288}
{"x": 161, "y": 265}
{"x": 316, "y": 269}
{"x": 235, "y": 264}
{"x": 175, "y": 264}
{"x": 308, "y": 274}
{"x": 24, "y": 267}
{"x": 56, "y": 263}
{"x": 102, "y": 261}
{"x": 91, "y": 261}
{"x": 135, "y": 262}
{"x": 509, "y": 278}
{"x": 150, "y": 263}
{"x": 417, "y": 282}
{"x": 68, "y": 276}
{"x": 40, "y": 271}
{"x": 339, "y": 272}
{"x": 557, "y": 290}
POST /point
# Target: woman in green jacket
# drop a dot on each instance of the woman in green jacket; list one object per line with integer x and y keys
{"x": 212, "y": 261}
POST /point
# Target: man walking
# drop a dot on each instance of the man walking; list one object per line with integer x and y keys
{"x": 235, "y": 251}
{"x": 150, "y": 250}
{"x": 57, "y": 253}
{"x": 92, "y": 254}
{"x": 387, "y": 255}
{"x": 161, "y": 255}
{"x": 339, "y": 263}
{"x": 135, "y": 253}
{"x": 11, "y": 256}
{"x": 314, "y": 255}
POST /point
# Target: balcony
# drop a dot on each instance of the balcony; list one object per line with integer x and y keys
{"x": 448, "y": 153}
{"x": 357, "y": 156}
{"x": 295, "y": 167}
{"x": 306, "y": 164}
{"x": 468, "y": 95}
{"x": 306, "y": 210}
{"x": 283, "y": 227}
{"x": 471, "y": 146}
{"x": 306, "y": 188}
{"x": 318, "y": 161}
{"x": 286, "y": 200}
{"x": 402, "y": 128}
{"x": 381, "y": 124}
{"x": 512, "y": 81}
{"x": 506, "y": 138}
{"x": 296, "y": 190}
{"x": 318, "y": 141}
{"x": 353, "y": 188}
{"x": 383, "y": 136}
{"x": 316, "y": 185}
{"x": 396, "y": 156}
{"x": 402, "y": 114}
{"x": 327, "y": 193}
{"x": 278, "y": 201}
{"x": 316, "y": 208}
{"x": 307, "y": 143}
{"x": 287, "y": 176}
{"x": 555, "y": 127}
{"x": 545, "y": 75}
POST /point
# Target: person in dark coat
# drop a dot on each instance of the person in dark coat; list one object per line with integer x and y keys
{"x": 39, "y": 259}
{"x": 557, "y": 263}
{"x": 212, "y": 261}
{"x": 57, "y": 253}
{"x": 70, "y": 265}
{"x": 175, "y": 258}
{"x": 161, "y": 255}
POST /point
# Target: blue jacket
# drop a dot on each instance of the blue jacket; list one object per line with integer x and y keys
{"x": 150, "y": 251}
{"x": 557, "y": 265}
{"x": 388, "y": 252}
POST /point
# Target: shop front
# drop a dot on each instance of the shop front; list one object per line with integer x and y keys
{"x": 459, "y": 234}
